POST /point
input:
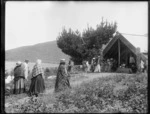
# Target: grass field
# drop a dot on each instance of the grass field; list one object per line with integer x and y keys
{"x": 118, "y": 93}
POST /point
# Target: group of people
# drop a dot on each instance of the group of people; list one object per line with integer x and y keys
{"x": 37, "y": 86}
{"x": 21, "y": 73}
{"x": 98, "y": 65}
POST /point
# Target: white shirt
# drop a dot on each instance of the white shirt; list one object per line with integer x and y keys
{"x": 26, "y": 70}
{"x": 142, "y": 64}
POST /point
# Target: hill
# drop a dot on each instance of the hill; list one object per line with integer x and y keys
{"x": 48, "y": 52}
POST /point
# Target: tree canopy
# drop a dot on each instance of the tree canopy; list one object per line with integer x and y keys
{"x": 85, "y": 45}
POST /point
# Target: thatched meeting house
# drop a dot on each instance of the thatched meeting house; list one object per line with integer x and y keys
{"x": 120, "y": 49}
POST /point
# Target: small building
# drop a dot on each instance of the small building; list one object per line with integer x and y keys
{"x": 120, "y": 49}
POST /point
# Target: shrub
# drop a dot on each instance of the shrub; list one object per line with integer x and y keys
{"x": 50, "y": 71}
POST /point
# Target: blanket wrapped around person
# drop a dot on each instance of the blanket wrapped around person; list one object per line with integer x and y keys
{"x": 37, "y": 81}
{"x": 62, "y": 79}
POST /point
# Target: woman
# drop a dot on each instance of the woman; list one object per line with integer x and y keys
{"x": 19, "y": 79}
{"x": 70, "y": 66}
{"x": 62, "y": 81}
{"x": 37, "y": 80}
{"x": 98, "y": 67}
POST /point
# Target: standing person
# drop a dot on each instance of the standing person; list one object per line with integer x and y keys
{"x": 26, "y": 72}
{"x": 88, "y": 66}
{"x": 70, "y": 66}
{"x": 85, "y": 67}
{"x": 98, "y": 67}
{"x": 37, "y": 81}
{"x": 26, "y": 69}
{"x": 111, "y": 64}
{"x": 62, "y": 79}
{"x": 107, "y": 65}
{"x": 19, "y": 79}
{"x": 131, "y": 60}
{"x": 142, "y": 66}
{"x": 93, "y": 64}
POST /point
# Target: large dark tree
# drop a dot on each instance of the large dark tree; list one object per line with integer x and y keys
{"x": 89, "y": 44}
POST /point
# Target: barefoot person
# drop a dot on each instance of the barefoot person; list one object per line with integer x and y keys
{"x": 62, "y": 79}
{"x": 19, "y": 79}
{"x": 37, "y": 81}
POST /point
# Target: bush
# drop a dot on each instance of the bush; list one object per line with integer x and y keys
{"x": 50, "y": 71}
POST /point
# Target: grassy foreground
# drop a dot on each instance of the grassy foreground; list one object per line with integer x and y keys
{"x": 114, "y": 94}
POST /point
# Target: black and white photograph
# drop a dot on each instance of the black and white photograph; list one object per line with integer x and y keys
{"x": 76, "y": 57}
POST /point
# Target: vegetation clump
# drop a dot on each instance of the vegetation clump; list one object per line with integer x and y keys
{"x": 113, "y": 94}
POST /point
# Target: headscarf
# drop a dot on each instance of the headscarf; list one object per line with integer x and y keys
{"x": 37, "y": 69}
{"x": 62, "y": 61}
{"x": 18, "y": 63}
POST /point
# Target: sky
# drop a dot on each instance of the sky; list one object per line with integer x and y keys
{"x": 29, "y": 23}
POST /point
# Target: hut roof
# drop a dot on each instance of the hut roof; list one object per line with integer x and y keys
{"x": 112, "y": 47}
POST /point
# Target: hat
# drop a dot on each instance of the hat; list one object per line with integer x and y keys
{"x": 62, "y": 61}
{"x": 18, "y": 63}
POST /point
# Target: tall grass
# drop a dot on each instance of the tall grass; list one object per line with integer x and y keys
{"x": 104, "y": 95}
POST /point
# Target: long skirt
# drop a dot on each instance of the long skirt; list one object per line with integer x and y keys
{"x": 37, "y": 85}
{"x": 19, "y": 85}
{"x": 62, "y": 84}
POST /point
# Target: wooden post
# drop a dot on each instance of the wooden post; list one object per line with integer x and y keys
{"x": 118, "y": 53}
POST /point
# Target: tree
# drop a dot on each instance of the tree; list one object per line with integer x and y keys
{"x": 89, "y": 44}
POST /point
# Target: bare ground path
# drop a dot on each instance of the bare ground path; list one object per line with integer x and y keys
{"x": 88, "y": 77}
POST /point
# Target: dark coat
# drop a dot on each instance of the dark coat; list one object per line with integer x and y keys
{"x": 19, "y": 71}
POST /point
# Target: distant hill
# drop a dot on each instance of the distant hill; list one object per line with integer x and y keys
{"x": 48, "y": 52}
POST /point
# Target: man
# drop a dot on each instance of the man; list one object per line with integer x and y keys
{"x": 26, "y": 69}
{"x": 93, "y": 64}
{"x": 19, "y": 79}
